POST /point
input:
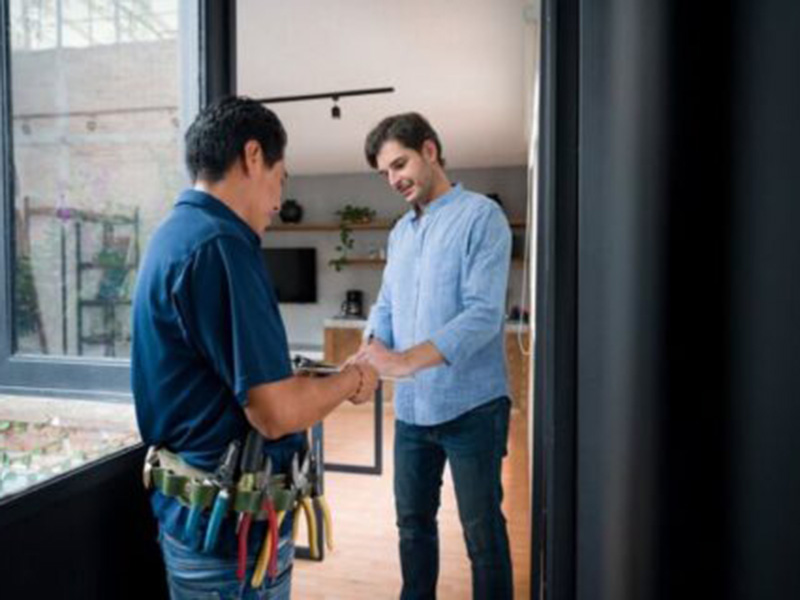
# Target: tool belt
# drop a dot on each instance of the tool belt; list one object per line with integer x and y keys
{"x": 256, "y": 493}
{"x": 173, "y": 477}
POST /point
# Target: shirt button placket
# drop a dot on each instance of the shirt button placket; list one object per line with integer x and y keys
{"x": 419, "y": 256}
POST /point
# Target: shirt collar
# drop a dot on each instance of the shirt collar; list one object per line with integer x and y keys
{"x": 215, "y": 206}
{"x": 442, "y": 200}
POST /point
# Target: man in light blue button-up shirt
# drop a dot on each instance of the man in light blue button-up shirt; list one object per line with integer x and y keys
{"x": 438, "y": 325}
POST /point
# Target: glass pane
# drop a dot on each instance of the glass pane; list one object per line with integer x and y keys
{"x": 96, "y": 146}
{"x": 33, "y": 24}
{"x": 41, "y": 438}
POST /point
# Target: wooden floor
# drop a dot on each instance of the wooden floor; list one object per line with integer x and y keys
{"x": 364, "y": 563}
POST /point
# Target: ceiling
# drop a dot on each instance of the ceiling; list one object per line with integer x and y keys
{"x": 461, "y": 63}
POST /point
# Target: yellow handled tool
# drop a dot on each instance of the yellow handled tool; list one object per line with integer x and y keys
{"x": 311, "y": 523}
{"x": 327, "y": 522}
{"x": 266, "y": 554}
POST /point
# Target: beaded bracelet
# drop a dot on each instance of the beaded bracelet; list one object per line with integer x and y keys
{"x": 360, "y": 381}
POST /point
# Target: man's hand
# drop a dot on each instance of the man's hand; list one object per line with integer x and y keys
{"x": 387, "y": 362}
{"x": 368, "y": 382}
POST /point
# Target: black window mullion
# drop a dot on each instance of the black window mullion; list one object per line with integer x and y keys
{"x": 6, "y": 192}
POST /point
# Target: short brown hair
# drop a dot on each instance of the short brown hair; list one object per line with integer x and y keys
{"x": 410, "y": 129}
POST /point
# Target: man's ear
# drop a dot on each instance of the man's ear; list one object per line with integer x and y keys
{"x": 429, "y": 151}
{"x": 251, "y": 156}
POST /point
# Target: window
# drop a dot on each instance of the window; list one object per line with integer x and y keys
{"x": 95, "y": 95}
{"x": 96, "y": 161}
{"x": 51, "y": 24}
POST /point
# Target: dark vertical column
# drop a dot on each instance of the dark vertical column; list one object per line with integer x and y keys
{"x": 218, "y": 49}
{"x": 653, "y": 415}
{"x": 694, "y": 466}
{"x": 765, "y": 294}
{"x": 7, "y": 191}
{"x": 553, "y": 543}
{"x": 623, "y": 284}
{"x": 678, "y": 453}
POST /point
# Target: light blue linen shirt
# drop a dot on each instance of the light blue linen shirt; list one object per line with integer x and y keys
{"x": 445, "y": 282}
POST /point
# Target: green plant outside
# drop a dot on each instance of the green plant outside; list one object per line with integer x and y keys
{"x": 24, "y": 296}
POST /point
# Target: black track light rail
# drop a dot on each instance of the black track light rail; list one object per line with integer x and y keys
{"x": 328, "y": 95}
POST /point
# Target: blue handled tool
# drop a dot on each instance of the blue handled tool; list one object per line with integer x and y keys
{"x": 192, "y": 525}
{"x": 223, "y": 478}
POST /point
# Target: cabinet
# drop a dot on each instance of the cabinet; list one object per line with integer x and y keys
{"x": 340, "y": 343}
{"x": 518, "y": 363}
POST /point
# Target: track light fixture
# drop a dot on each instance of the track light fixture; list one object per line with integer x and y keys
{"x": 336, "y": 110}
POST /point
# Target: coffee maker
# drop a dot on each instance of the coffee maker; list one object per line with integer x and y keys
{"x": 353, "y": 306}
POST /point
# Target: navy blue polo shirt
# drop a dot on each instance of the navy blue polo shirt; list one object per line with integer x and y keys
{"x": 206, "y": 328}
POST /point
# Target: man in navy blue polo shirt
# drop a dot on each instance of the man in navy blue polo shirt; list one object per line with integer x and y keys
{"x": 210, "y": 358}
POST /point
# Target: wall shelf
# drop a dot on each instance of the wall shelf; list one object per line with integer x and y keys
{"x": 364, "y": 262}
{"x": 379, "y": 225}
{"x": 373, "y": 226}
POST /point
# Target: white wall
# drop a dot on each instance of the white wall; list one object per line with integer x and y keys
{"x": 322, "y": 195}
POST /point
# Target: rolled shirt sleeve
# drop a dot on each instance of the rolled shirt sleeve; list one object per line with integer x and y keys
{"x": 483, "y": 289}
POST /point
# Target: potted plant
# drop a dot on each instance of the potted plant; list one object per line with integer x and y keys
{"x": 348, "y": 216}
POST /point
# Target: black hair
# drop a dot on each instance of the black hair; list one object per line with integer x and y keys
{"x": 410, "y": 129}
{"x": 220, "y": 131}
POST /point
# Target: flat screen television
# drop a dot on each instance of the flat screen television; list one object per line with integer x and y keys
{"x": 293, "y": 272}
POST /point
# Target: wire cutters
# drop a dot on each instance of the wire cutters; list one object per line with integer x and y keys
{"x": 301, "y": 481}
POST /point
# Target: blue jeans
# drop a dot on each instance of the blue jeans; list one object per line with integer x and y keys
{"x": 474, "y": 444}
{"x": 195, "y": 576}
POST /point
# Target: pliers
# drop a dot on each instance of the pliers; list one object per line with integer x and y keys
{"x": 251, "y": 463}
{"x": 223, "y": 479}
{"x": 318, "y": 498}
{"x": 268, "y": 557}
{"x": 301, "y": 482}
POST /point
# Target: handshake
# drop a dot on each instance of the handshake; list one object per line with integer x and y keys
{"x": 372, "y": 362}
{"x": 368, "y": 381}
{"x": 380, "y": 362}
{"x": 367, "y": 375}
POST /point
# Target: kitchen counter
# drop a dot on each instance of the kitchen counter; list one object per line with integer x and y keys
{"x": 344, "y": 323}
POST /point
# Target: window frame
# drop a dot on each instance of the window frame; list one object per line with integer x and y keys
{"x": 211, "y": 75}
